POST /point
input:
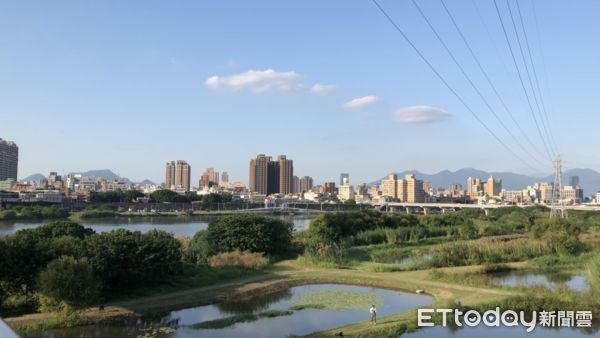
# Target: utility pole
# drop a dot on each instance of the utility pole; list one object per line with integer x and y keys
{"x": 557, "y": 208}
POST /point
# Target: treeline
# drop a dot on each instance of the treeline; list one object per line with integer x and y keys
{"x": 160, "y": 196}
{"x": 33, "y": 212}
{"x": 62, "y": 265}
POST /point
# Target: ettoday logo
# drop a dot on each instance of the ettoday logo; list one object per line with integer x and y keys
{"x": 495, "y": 318}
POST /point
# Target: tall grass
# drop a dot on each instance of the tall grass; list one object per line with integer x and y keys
{"x": 245, "y": 259}
{"x": 324, "y": 254}
{"x": 489, "y": 250}
{"x": 593, "y": 273}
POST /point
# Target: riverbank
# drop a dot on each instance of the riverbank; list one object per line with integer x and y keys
{"x": 279, "y": 277}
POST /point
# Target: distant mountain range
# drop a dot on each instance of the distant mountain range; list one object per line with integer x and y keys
{"x": 104, "y": 173}
{"x": 589, "y": 179}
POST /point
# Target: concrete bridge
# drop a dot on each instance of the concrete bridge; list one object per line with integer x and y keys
{"x": 426, "y": 207}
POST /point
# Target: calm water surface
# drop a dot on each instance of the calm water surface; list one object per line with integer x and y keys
{"x": 179, "y": 226}
{"x": 550, "y": 280}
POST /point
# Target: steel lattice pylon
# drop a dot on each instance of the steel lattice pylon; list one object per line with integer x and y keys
{"x": 557, "y": 208}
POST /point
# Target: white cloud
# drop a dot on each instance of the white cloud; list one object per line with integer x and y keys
{"x": 258, "y": 80}
{"x": 322, "y": 89}
{"x": 361, "y": 102}
{"x": 420, "y": 114}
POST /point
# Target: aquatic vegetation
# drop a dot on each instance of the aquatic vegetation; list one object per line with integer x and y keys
{"x": 225, "y": 322}
{"x": 306, "y": 306}
{"x": 275, "y": 313}
{"x": 337, "y": 299}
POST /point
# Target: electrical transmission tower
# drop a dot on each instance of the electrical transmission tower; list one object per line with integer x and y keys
{"x": 557, "y": 208}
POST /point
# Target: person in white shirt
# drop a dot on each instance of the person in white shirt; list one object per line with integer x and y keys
{"x": 373, "y": 312}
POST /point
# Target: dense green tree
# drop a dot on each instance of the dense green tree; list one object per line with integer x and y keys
{"x": 165, "y": 195}
{"x": 332, "y": 227}
{"x": 29, "y": 250}
{"x": 199, "y": 249}
{"x": 561, "y": 234}
{"x": 125, "y": 259}
{"x": 71, "y": 281}
{"x": 250, "y": 232}
{"x": 131, "y": 195}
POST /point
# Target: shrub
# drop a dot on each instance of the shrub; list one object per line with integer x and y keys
{"x": 70, "y": 281}
{"x": 250, "y": 232}
{"x": 245, "y": 259}
{"x": 333, "y": 227}
{"x": 198, "y": 249}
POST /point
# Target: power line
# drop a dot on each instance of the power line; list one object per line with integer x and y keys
{"x": 434, "y": 70}
{"x": 537, "y": 83}
{"x": 489, "y": 81}
{"x": 527, "y": 72}
{"x": 548, "y": 152}
{"x": 544, "y": 70}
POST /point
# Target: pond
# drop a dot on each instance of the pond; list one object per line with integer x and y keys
{"x": 501, "y": 332}
{"x": 552, "y": 280}
{"x": 305, "y": 309}
{"x": 179, "y": 226}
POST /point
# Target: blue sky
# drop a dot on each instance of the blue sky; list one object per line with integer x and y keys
{"x": 129, "y": 85}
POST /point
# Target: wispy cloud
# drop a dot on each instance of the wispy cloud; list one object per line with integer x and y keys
{"x": 322, "y": 89}
{"x": 361, "y": 102}
{"x": 420, "y": 114}
{"x": 258, "y": 81}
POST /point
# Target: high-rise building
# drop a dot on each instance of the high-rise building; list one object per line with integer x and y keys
{"x": 182, "y": 175}
{"x": 225, "y": 177}
{"x": 571, "y": 194}
{"x": 344, "y": 176}
{"x": 389, "y": 186}
{"x": 258, "y": 174}
{"x": 53, "y": 177}
{"x": 493, "y": 187}
{"x": 474, "y": 187}
{"x": 170, "y": 175}
{"x": 286, "y": 175}
{"x": 545, "y": 192}
{"x": 414, "y": 189}
{"x": 329, "y": 187}
{"x": 9, "y": 160}
{"x": 346, "y": 191}
{"x": 574, "y": 181}
{"x": 306, "y": 183}
{"x": 209, "y": 178}
{"x": 477, "y": 188}
{"x": 296, "y": 184}
{"x": 273, "y": 178}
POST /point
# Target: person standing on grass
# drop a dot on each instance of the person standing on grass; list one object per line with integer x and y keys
{"x": 373, "y": 312}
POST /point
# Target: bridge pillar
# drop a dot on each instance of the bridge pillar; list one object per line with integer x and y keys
{"x": 444, "y": 210}
{"x": 486, "y": 211}
{"x": 425, "y": 211}
{"x": 408, "y": 210}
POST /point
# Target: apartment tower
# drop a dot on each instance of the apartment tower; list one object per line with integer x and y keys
{"x": 182, "y": 175}
{"x": 286, "y": 175}
{"x": 170, "y": 175}
{"x": 9, "y": 160}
